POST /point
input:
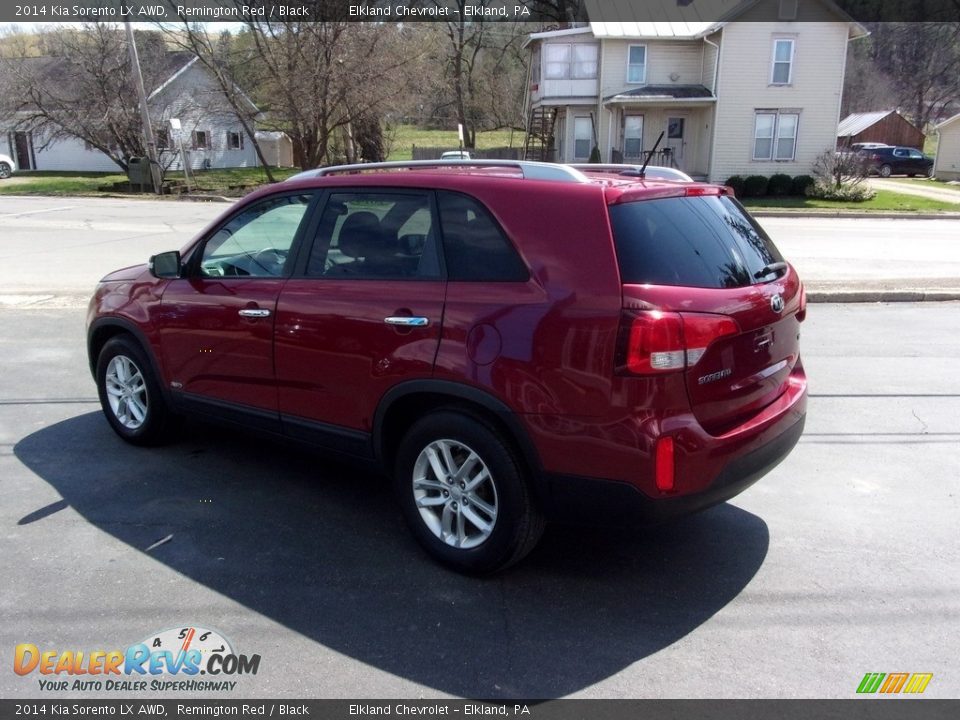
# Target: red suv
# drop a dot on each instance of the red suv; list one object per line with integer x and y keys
{"x": 512, "y": 342}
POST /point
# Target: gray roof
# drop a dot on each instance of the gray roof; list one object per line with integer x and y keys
{"x": 674, "y": 92}
{"x": 858, "y": 122}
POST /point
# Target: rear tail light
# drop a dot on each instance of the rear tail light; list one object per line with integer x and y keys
{"x": 656, "y": 342}
{"x": 663, "y": 464}
{"x": 802, "y": 311}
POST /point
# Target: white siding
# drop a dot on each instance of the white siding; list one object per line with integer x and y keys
{"x": 64, "y": 154}
{"x": 195, "y": 99}
{"x": 744, "y": 87}
{"x": 664, "y": 59}
{"x": 947, "y": 165}
{"x": 711, "y": 56}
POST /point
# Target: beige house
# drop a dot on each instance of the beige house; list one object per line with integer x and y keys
{"x": 947, "y": 164}
{"x": 756, "y": 93}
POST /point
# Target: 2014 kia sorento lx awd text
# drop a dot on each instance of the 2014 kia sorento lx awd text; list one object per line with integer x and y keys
{"x": 512, "y": 342}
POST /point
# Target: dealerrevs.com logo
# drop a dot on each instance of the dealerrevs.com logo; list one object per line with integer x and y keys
{"x": 894, "y": 683}
{"x": 171, "y": 660}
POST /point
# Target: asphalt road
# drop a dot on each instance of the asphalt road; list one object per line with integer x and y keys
{"x": 844, "y": 560}
{"x": 53, "y": 250}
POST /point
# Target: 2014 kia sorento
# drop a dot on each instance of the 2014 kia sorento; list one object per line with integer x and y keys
{"x": 513, "y": 342}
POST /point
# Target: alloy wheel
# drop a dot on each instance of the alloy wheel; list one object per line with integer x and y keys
{"x": 455, "y": 494}
{"x": 126, "y": 392}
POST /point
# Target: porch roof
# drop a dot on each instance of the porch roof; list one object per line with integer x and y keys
{"x": 662, "y": 93}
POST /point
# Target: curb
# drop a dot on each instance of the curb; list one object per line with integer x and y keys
{"x": 881, "y": 296}
{"x": 854, "y": 214}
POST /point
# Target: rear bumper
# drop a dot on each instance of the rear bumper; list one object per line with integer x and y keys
{"x": 586, "y": 500}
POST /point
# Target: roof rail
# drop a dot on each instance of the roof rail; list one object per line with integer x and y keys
{"x": 653, "y": 172}
{"x": 531, "y": 170}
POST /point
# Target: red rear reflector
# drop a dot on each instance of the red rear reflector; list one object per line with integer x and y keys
{"x": 664, "y": 464}
{"x": 657, "y": 341}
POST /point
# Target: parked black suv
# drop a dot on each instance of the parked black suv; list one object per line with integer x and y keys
{"x": 897, "y": 160}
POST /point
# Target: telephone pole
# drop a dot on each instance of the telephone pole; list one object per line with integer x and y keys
{"x": 144, "y": 110}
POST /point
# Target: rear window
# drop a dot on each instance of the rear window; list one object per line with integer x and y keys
{"x": 702, "y": 241}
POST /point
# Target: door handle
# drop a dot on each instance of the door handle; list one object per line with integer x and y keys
{"x": 406, "y": 321}
{"x": 254, "y": 313}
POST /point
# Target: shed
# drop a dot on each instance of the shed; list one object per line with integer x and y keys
{"x": 277, "y": 148}
{"x": 885, "y": 126}
{"x": 947, "y": 164}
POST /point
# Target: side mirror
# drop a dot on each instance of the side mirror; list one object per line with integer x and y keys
{"x": 166, "y": 265}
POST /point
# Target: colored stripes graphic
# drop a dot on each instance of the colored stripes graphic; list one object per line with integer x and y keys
{"x": 893, "y": 683}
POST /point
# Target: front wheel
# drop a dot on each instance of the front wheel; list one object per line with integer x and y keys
{"x": 129, "y": 393}
{"x": 5, "y": 171}
{"x": 465, "y": 494}
{"x": 886, "y": 171}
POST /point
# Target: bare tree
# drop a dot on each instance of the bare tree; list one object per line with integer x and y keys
{"x": 225, "y": 66}
{"x": 316, "y": 78}
{"x": 921, "y": 60}
{"x": 82, "y": 88}
{"x": 481, "y": 86}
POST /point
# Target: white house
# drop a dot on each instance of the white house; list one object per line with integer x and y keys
{"x": 757, "y": 92}
{"x": 947, "y": 164}
{"x": 210, "y": 134}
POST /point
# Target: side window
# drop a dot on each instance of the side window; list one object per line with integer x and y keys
{"x": 255, "y": 242}
{"x": 375, "y": 235}
{"x": 473, "y": 244}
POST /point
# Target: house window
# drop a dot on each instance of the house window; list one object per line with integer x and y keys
{"x": 584, "y": 62}
{"x": 775, "y": 135}
{"x": 637, "y": 64}
{"x": 234, "y": 140}
{"x": 556, "y": 62}
{"x": 582, "y": 137}
{"x": 782, "y": 71}
{"x": 564, "y": 61}
{"x": 201, "y": 140}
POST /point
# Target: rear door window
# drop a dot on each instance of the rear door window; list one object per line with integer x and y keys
{"x": 474, "y": 246}
{"x": 702, "y": 241}
{"x": 367, "y": 235}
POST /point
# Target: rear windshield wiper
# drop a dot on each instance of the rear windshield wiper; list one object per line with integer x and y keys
{"x": 770, "y": 269}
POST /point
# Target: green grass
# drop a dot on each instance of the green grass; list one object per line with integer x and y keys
{"x": 402, "y": 138}
{"x": 39, "y": 182}
{"x": 230, "y": 181}
{"x": 884, "y": 201}
{"x": 226, "y": 179}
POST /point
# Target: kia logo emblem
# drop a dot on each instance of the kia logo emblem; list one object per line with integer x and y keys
{"x": 776, "y": 303}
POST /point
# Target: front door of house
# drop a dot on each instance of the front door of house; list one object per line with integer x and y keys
{"x": 675, "y": 139}
{"x": 21, "y": 143}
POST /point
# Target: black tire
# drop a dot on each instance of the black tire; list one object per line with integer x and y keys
{"x": 517, "y": 524}
{"x": 886, "y": 171}
{"x": 5, "y": 171}
{"x": 154, "y": 425}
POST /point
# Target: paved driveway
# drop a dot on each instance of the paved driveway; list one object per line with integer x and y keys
{"x": 920, "y": 188}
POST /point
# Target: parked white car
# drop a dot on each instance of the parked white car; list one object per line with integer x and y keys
{"x": 7, "y": 166}
{"x": 456, "y": 155}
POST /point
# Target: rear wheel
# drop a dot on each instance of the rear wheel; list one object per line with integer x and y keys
{"x": 464, "y": 493}
{"x": 129, "y": 393}
{"x": 5, "y": 170}
{"x": 886, "y": 171}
